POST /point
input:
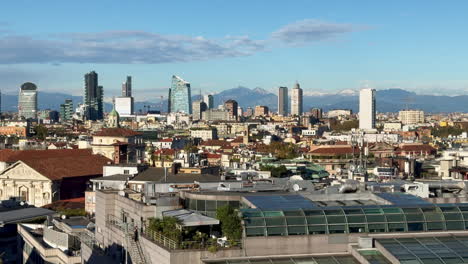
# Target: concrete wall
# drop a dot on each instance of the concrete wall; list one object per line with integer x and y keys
{"x": 56, "y": 238}
{"x": 160, "y": 255}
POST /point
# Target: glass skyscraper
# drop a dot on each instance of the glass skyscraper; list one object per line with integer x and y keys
{"x": 283, "y": 101}
{"x": 66, "y": 110}
{"x": 209, "y": 101}
{"x": 27, "y": 101}
{"x": 93, "y": 97}
{"x": 127, "y": 87}
{"x": 180, "y": 98}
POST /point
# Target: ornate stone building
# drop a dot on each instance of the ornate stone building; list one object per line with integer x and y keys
{"x": 119, "y": 144}
{"x": 41, "y": 177}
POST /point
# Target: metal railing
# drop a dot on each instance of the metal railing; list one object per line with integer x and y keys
{"x": 160, "y": 239}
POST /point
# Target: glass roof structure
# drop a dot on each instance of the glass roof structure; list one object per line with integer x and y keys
{"x": 355, "y": 219}
{"x": 293, "y": 260}
{"x": 374, "y": 257}
{"x": 433, "y": 250}
{"x": 280, "y": 202}
{"x": 397, "y": 198}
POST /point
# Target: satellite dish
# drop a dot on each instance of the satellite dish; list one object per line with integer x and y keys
{"x": 338, "y": 170}
{"x": 296, "y": 187}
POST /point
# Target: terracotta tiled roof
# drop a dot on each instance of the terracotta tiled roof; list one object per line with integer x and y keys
{"x": 165, "y": 151}
{"x": 75, "y": 203}
{"x": 117, "y": 132}
{"x": 67, "y": 167}
{"x": 214, "y": 142}
{"x": 332, "y": 150}
{"x": 10, "y": 156}
{"x": 166, "y": 140}
{"x": 57, "y": 164}
{"x": 415, "y": 148}
{"x": 213, "y": 156}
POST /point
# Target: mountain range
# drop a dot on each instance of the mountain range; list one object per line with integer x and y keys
{"x": 390, "y": 100}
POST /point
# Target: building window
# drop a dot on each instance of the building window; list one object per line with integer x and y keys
{"x": 126, "y": 171}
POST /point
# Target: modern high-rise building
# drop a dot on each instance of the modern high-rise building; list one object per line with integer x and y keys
{"x": 283, "y": 101}
{"x": 261, "y": 110}
{"x": 248, "y": 112}
{"x": 231, "y": 106}
{"x": 127, "y": 87}
{"x": 93, "y": 97}
{"x": 316, "y": 113}
{"x": 66, "y": 110}
{"x": 209, "y": 101}
{"x": 180, "y": 96}
{"x": 296, "y": 100}
{"x": 408, "y": 117}
{"x": 198, "y": 107}
{"x": 367, "y": 108}
{"x": 27, "y": 101}
{"x": 124, "y": 105}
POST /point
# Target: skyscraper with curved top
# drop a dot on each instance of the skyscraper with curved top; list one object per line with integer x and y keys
{"x": 27, "y": 101}
{"x": 180, "y": 97}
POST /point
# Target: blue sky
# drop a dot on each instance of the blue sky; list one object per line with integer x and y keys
{"x": 327, "y": 46}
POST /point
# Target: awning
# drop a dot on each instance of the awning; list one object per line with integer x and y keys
{"x": 190, "y": 218}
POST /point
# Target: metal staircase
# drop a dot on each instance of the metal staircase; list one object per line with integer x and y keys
{"x": 134, "y": 250}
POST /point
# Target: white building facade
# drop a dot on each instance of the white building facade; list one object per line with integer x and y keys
{"x": 367, "y": 109}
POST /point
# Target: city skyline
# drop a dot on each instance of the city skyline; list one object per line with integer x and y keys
{"x": 315, "y": 44}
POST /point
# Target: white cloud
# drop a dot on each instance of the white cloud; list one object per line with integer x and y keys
{"x": 141, "y": 47}
{"x": 311, "y": 30}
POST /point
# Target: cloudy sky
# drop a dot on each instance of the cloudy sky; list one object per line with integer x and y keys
{"x": 327, "y": 46}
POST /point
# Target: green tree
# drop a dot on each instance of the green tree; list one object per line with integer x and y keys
{"x": 344, "y": 126}
{"x": 277, "y": 172}
{"x": 41, "y": 132}
{"x": 190, "y": 148}
{"x": 283, "y": 150}
{"x": 444, "y": 132}
{"x": 230, "y": 222}
{"x": 168, "y": 226}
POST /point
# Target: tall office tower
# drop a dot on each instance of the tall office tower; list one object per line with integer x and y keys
{"x": 127, "y": 87}
{"x": 316, "y": 113}
{"x": 296, "y": 100}
{"x": 93, "y": 97}
{"x": 367, "y": 108}
{"x": 27, "y": 101}
{"x": 180, "y": 97}
{"x": 198, "y": 107}
{"x": 209, "y": 100}
{"x": 66, "y": 110}
{"x": 231, "y": 106}
{"x": 261, "y": 110}
{"x": 240, "y": 111}
{"x": 124, "y": 105}
{"x": 283, "y": 101}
